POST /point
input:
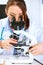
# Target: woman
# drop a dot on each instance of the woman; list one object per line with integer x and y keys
{"x": 15, "y": 8}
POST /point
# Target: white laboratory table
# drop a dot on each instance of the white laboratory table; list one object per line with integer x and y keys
{"x": 4, "y": 60}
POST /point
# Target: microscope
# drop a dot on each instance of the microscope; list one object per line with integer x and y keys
{"x": 24, "y": 44}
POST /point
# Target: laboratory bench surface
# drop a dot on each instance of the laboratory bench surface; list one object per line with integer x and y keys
{"x": 3, "y": 62}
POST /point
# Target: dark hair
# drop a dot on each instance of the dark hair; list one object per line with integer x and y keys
{"x": 22, "y": 5}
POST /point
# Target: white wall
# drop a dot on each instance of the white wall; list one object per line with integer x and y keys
{"x": 41, "y": 13}
{"x": 33, "y": 7}
{"x": 3, "y": 1}
{"x": 34, "y": 10}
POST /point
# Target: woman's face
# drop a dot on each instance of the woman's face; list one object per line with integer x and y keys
{"x": 15, "y": 11}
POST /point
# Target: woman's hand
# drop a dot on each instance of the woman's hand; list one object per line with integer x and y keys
{"x": 6, "y": 44}
{"x": 37, "y": 49}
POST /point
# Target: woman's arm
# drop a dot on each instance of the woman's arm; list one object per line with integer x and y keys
{"x": 6, "y": 44}
{"x": 0, "y": 44}
{"x": 37, "y": 49}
